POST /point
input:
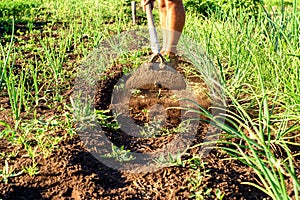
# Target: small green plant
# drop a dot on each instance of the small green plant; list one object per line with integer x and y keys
{"x": 69, "y": 123}
{"x": 106, "y": 120}
{"x": 151, "y": 129}
{"x": 54, "y": 57}
{"x": 8, "y": 133}
{"x": 171, "y": 160}
{"x": 32, "y": 169}
{"x": 16, "y": 91}
{"x": 195, "y": 182}
{"x": 219, "y": 194}
{"x": 120, "y": 87}
{"x": 32, "y": 152}
{"x": 7, "y": 173}
{"x": 125, "y": 71}
{"x": 41, "y": 133}
{"x": 136, "y": 92}
{"x": 120, "y": 154}
{"x": 82, "y": 111}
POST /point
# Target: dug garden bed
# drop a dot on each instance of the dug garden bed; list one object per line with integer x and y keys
{"x": 71, "y": 172}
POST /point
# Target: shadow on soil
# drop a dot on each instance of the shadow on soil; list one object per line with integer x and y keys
{"x": 23, "y": 193}
{"x": 108, "y": 178}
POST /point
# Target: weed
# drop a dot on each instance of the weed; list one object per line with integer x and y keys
{"x": 7, "y": 133}
{"x": 120, "y": 154}
{"x": 136, "y": 92}
{"x": 195, "y": 182}
{"x": 106, "y": 120}
{"x": 170, "y": 160}
{"x": 31, "y": 170}
{"x": 7, "y": 173}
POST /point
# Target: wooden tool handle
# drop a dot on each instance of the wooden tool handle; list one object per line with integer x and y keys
{"x": 152, "y": 30}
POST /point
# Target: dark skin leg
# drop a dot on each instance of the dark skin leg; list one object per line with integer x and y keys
{"x": 172, "y": 20}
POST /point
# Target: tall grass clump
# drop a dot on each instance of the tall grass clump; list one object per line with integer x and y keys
{"x": 257, "y": 58}
{"x": 240, "y": 45}
{"x": 14, "y": 84}
{"x": 206, "y": 8}
{"x": 262, "y": 146}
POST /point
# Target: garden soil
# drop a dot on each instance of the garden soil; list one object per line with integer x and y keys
{"x": 71, "y": 172}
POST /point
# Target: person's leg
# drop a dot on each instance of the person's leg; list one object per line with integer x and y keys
{"x": 163, "y": 22}
{"x": 172, "y": 19}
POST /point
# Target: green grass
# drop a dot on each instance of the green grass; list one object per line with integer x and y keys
{"x": 246, "y": 49}
{"x": 257, "y": 60}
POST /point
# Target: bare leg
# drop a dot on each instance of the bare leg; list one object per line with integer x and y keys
{"x": 172, "y": 19}
{"x": 163, "y": 22}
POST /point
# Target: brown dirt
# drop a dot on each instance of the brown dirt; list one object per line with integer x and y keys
{"x": 73, "y": 173}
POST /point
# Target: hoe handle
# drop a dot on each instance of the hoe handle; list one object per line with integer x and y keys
{"x": 152, "y": 30}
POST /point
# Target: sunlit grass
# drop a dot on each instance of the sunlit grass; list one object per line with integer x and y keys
{"x": 258, "y": 61}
